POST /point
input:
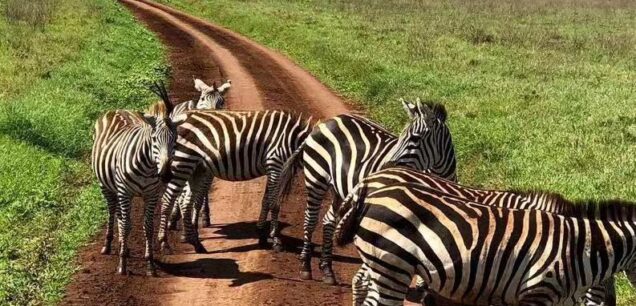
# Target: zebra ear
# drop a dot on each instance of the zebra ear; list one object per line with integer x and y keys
{"x": 225, "y": 86}
{"x": 410, "y": 108}
{"x": 178, "y": 119}
{"x": 199, "y": 85}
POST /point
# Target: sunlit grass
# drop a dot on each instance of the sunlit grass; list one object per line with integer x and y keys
{"x": 541, "y": 93}
{"x": 58, "y": 71}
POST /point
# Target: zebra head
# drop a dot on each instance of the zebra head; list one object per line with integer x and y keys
{"x": 425, "y": 143}
{"x": 164, "y": 129}
{"x": 212, "y": 97}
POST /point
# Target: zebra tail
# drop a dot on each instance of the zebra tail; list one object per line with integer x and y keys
{"x": 350, "y": 215}
{"x": 289, "y": 171}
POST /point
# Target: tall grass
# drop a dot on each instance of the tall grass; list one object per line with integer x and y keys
{"x": 540, "y": 93}
{"x": 36, "y": 13}
{"x": 55, "y": 79}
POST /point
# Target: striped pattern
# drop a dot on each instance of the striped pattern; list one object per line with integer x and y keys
{"x": 234, "y": 146}
{"x": 485, "y": 255}
{"x": 345, "y": 149}
{"x": 131, "y": 153}
{"x": 212, "y": 97}
{"x": 548, "y": 202}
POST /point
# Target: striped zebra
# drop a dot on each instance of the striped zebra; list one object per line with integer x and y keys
{"x": 212, "y": 97}
{"x": 596, "y": 296}
{"x": 131, "y": 156}
{"x": 477, "y": 254}
{"x": 343, "y": 150}
{"x": 233, "y": 146}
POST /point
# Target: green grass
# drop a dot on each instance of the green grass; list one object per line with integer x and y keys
{"x": 62, "y": 63}
{"x": 540, "y": 95}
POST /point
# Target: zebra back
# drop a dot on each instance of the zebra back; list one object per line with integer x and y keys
{"x": 535, "y": 200}
{"x": 236, "y": 144}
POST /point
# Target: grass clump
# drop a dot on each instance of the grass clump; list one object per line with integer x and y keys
{"x": 540, "y": 93}
{"x": 62, "y": 63}
{"x": 36, "y": 13}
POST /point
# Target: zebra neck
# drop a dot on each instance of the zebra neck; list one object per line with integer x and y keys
{"x": 392, "y": 152}
{"x": 143, "y": 157}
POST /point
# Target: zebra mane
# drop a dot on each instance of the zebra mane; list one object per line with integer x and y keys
{"x": 437, "y": 110}
{"x": 613, "y": 209}
{"x": 164, "y": 107}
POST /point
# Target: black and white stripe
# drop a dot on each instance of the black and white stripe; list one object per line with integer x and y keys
{"x": 597, "y": 296}
{"x": 479, "y": 254}
{"x": 212, "y": 97}
{"x": 131, "y": 153}
{"x": 345, "y": 149}
{"x": 233, "y": 146}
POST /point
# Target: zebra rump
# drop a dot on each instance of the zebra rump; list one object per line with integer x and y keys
{"x": 459, "y": 246}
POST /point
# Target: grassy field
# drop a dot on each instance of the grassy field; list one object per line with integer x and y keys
{"x": 62, "y": 63}
{"x": 540, "y": 95}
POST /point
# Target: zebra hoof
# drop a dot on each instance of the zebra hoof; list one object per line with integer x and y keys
{"x": 305, "y": 275}
{"x": 121, "y": 270}
{"x": 277, "y": 245}
{"x": 329, "y": 280}
{"x": 199, "y": 248}
{"x": 151, "y": 271}
{"x": 183, "y": 239}
{"x": 105, "y": 251}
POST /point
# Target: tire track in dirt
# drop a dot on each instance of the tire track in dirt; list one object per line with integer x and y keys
{"x": 235, "y": 272}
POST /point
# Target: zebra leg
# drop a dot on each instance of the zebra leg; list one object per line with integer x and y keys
{"x": 315, "y": 194}
{"x": 261, "y": 224}
{"x": 205, "y": 210}
{"x": 386, "y": 287}
{"x": 198, "y": 207}
{"x": 198, "y": 188}
{"x": 602, "y": 295}
{"x": 274, "y": 205}
{"x": 111, "y": 201}
{"x": 150, "y": 202}
{"x": 175, "y": 215}
{"x": 171, "y": 194}
{"x": 329, "y": 226}
{"x": 124, "y": 226}
{"x": 359, "y": 286}
{"x": 384, "y": 291}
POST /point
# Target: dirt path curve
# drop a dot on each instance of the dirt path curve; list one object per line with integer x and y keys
{"x": 235, "y": 272}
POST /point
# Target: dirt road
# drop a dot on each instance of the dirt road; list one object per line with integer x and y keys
{"x": 235, "y": 272}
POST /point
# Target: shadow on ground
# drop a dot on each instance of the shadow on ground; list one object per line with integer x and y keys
{"x": 217, "y": 268}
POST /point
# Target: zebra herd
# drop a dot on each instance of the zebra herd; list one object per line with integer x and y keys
{"x": 395, "y": 198}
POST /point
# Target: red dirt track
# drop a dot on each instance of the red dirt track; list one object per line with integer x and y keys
{"x": 235, "y": 271}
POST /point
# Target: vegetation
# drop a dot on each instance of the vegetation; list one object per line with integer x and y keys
{"x": 540, "y": 93}
{"x": 62, "y": 63}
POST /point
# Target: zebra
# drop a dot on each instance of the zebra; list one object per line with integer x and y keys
{"x": 480, "y": 254}
{"x": 234, "y": 146}
{"x": 131, "y": 156}
{"x": 596, "y": 296}
{"x": 212, "y": 97}
{"x": 343, "y": 150}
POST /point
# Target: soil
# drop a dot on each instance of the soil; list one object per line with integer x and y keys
{"x": 235, "y": 271}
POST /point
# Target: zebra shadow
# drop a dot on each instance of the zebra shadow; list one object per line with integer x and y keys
{"x": 235, "y": 231}
{"x": 247, "y": 230}
{"x": 216, "y": 268}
